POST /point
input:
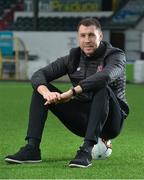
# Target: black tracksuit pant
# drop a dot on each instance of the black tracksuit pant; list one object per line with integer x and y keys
{"x": 99, "y": 118}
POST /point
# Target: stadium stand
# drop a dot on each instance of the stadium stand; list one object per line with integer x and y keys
{"x": 129, "y": 15}
{"x": 7, "y": 9}
{"x": 49, "y": 23}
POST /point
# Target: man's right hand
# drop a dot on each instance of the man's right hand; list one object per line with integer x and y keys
{"x": 50, "y": 97}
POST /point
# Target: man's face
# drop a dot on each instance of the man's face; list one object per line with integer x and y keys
{"x": 89, "y": 38}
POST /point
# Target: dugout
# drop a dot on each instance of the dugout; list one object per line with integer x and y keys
{"x": 13, "y": 57}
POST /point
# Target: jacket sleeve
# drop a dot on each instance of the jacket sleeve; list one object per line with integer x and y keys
{"x": 51, "y": 72}
{"x": 114, "y": 68}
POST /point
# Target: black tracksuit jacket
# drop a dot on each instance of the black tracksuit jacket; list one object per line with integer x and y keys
{"x": 105, "y": 68}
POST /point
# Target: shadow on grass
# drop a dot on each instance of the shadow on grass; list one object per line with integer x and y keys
{"x": 46, "y": 163}
{"x": 51, "y": 160}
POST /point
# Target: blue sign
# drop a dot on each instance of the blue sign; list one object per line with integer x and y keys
{"x": 6, "y": 43}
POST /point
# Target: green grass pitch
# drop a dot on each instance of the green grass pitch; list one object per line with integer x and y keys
{"x": 59, "y": 145}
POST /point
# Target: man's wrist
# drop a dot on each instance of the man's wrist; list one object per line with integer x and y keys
{"x": 73, "y": 91}
{"x": 76, "y": 90}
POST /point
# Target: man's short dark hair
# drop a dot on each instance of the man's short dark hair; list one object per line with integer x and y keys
{"x": 89, "y": 22}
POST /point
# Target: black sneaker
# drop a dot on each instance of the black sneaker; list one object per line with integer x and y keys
{"x": 82, "y": 159}
{"x": 26, "y": 154}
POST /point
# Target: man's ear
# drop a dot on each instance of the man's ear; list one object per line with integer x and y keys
{"x": 101, "y": 35}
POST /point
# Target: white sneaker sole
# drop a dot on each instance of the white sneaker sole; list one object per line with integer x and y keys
{"x": 13, "y": 161}
{"x": 79, "y": 165}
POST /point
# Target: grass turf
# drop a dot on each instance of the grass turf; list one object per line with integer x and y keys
{"x": 59, "y": 145}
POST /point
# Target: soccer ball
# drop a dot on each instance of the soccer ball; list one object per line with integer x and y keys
{"x": 102, "y": 150}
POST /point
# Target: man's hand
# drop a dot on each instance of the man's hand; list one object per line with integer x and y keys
{"x": 56, "y": 97}
{"x": 50, "y": 97}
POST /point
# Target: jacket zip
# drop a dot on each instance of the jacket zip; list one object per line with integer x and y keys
{"x": 86, "y": 68}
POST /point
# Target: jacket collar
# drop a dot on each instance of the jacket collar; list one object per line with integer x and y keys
{"x": 100, "y": 51}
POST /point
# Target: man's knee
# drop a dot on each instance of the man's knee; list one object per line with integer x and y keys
{"x": 111, "y": 132}
{"x": 101, "y": 95}
{"x": 110, "y": 135}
